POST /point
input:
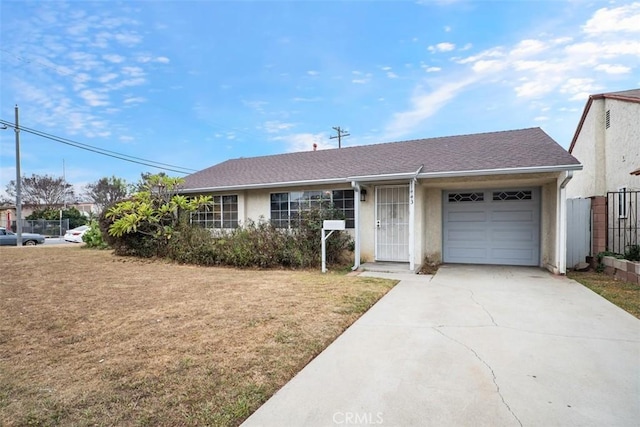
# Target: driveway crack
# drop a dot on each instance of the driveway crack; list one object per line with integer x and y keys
{"x": 493, "y": 374}
{"x": 473, "y": 298}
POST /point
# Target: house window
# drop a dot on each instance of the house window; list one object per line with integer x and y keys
{"x": 222, "y": 212}
{"x": 622, "y": 202}
{"x": 607, "y": 119}
{"x": 287, "y": 207}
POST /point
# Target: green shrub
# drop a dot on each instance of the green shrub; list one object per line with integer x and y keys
{"x": 260, "y": 244}
{"x": 632, "y": 253}
{"x": 93, "y": 237}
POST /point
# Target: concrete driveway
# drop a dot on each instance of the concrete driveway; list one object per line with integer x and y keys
{"x": 473, "y": 346}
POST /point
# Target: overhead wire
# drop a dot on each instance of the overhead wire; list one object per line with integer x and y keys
{"x": 101, "y": 151}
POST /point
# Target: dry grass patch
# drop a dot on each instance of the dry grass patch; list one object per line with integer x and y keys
{"x": 87, "y": 338}
{"x": 623, "y": 294}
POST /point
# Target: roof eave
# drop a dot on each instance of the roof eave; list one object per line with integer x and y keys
{"x": 502, "y": 171}
{"x": 265, "y": 185}
{"x": 386, "y": 177}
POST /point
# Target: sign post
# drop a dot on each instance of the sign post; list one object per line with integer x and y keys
{"x": 330, "y": 226}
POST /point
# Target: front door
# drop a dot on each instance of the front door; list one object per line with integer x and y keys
{"x": 392, "y": 223}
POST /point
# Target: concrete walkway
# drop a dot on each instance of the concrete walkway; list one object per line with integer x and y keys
{"x": 473, "y": 346}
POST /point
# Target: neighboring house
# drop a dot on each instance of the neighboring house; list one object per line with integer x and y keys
{"x": 607, "y": 143}
{"x": 491, "y": 198}
{"x": 8, "y": 214}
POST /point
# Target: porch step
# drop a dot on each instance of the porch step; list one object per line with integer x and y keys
{"x": 386, "y": 267}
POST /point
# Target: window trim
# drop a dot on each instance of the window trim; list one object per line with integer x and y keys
{"x": 210, "y": 209}
{"x": 291, "y": 214}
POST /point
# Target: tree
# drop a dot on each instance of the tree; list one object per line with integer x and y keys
{"x": 143, "y": 224}
{"x": 106, "y": 191}
{"x": 145, "y": 178}
{"x": 43, "y": 191}
{"x": 75, "y": 217}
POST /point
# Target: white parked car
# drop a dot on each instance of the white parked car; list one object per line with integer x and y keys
{"x": 75, "y": 234}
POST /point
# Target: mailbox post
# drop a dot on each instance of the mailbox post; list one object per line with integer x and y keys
{"x": 330, "y": 226}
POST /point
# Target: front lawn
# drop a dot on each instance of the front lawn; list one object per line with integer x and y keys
{"x": 623, "y": 294}
{"x": 88, "y": 338}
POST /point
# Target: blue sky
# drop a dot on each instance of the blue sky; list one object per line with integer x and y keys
{"x": 193, "y": 83}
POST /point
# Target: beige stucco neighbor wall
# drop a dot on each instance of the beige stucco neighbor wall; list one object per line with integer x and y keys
{"x": 622, "y": 145}
{"x": 608, "y": 155}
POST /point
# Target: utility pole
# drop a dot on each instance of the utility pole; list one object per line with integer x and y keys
{"x": 341, "y": 133}
{"x": 18, "y": 184}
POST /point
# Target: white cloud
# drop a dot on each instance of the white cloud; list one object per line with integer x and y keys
{"x": 528, "y": 47}
{"x": 423, "y": 106}
{"x": 432, "y": 69}
{"x": 392, "y": 75}
{"x": 617, "y": 19}
{"x": 304, "y": 141}
{"x": 134, "y": 100}
{"x": 579, "y": 89}
{"x": 107, "y": 77}
{"x": 256, "y": 105}
{"x": 94, "y": 98}
{"x": 533, "y": 89}
{"x": 488, "y": 66}
{"x": 313, "y": 73}
{"x": 442, "y": 47}
{"x": 133, "y": 71}
{"x": 150, "y": 58}
{"x": 275, "y": 126}
{"x": 303, "y": 99}
{"x": 114, "y": 58}
{"x": 361, "y": 78}
{"x": 613, "y": 68}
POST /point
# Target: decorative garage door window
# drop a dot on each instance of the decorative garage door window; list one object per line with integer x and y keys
{"x": 511, "y": 195}
{"x": 466, "y": 197}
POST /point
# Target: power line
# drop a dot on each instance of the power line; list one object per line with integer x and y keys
{"x": 341, "y": 133}
{"x": 101, "y": 151}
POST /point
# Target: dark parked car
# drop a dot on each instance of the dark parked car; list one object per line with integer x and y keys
{"x": 9, "y": 238}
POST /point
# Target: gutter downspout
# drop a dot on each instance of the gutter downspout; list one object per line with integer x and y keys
{"x": 561, "y": 240}
{"x": 412, "y": 219}
{"x": 356, "y": 213}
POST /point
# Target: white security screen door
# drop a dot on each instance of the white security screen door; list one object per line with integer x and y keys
{"x": 392, "y": 223}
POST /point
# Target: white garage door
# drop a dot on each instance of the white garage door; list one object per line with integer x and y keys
{"x": 492, "y": 226}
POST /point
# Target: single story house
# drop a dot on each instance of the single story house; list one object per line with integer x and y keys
{"x": 489, "y": 198}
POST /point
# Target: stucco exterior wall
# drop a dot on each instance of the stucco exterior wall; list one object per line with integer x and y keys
{"x": 254, "y": 204}
{"x": 622, "y": 145}
{"x": 432, "y": 234}
{"x": 608, "y": 155}
{"x": 548, "y": 222}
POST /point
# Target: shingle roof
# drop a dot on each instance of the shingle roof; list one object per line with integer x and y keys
{"x": 524, "y": 148}
{"x": 629, "y": 95}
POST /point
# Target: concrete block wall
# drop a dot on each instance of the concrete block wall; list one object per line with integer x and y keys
{"x": 621, "y": 269}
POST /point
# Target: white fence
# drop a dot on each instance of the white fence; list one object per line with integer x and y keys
{"x": 578, "y": 230}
